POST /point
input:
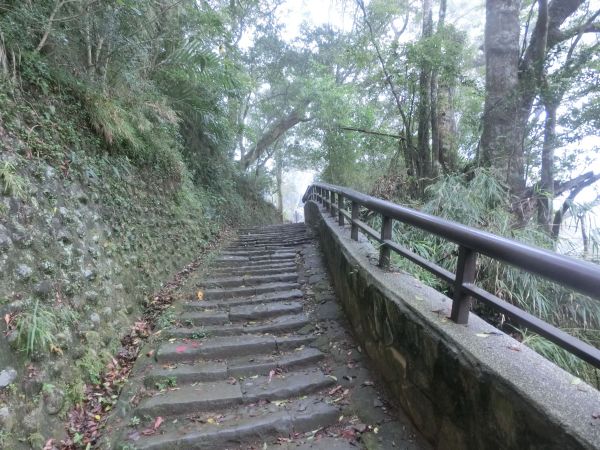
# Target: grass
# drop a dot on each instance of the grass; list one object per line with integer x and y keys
{"x": 482, "y": 202}
{"x": 12, "y": 183}
{"x": 38, "y": 325}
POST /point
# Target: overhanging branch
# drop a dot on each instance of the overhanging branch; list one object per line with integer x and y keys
{"x": 376, "y": 133}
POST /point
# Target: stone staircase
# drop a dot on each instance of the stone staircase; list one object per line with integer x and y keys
{"x": 240, "y": 368}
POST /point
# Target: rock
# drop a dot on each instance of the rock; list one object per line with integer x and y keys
{"x": 33, "y": 385}
{"x": 95, "y": 318}
{"x": 7, "y": 376}
{"x": 64, "y": 237}
{"x": 6, "y": 418}
{"x": 43, "y": 289}
{"x": 47, "y": 267}
{"x": 5, "y": 240}
{"x": 91, "y": 297}
{"x": 89, "y": 274}
{"x": 64, "y": 212}
{"x": 23, "y": 271}
{"x": 53, "y": 401}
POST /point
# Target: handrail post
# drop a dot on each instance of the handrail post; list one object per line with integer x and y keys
{"x": 326, "y": 200}
{"x": 384, "y": 250}
{"x": 340, "y": 209}
{"x": 332, "y": 210}
{"x": 354, "y": 229}
{"x": 466, "y": 268}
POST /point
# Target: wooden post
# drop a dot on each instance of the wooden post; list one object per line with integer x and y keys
{"x": 354, "y": 230}
{"x": 340, "y": 209}
{"x": 332, "y": 210}
{"x": 465, "y": 273}
{"x": 384, "y": 250}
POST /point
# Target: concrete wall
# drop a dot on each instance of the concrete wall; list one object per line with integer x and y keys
{"x": 464, "y": 386}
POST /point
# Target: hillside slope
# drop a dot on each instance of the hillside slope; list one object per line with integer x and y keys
{"x": 85, "y": 236}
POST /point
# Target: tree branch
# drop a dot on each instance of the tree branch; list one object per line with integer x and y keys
{"x": 376, "y": 133}
{"x": 388, "y": 77}
{"x": 576, "y": 185}
{"x": 275, "y": 131}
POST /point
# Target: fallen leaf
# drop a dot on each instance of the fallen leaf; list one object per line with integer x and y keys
{"x": 482, "y": 335}
{"x": 180, "y": 348}
{"x": 200, "y": 295}
{"x": 159, "y": 420}
{"x": 210, "y": 420}
{"x": 56, "y": 349}
{"x": 515, "y": 348}
{"x": 368, "y": 383}
{"x": 335, "y": 389}
{"x": 575, "y": 381}
{"x": 271, "y": 373}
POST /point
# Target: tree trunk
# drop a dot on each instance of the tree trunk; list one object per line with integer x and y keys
{"x": 447, "y": 148}
{"x": 424, "y": 166}
{"x": 443, "y": 125}
{"x": 501, "y": 136}
{"x": 279, "y": 177}
{"x": 546, "y": 194}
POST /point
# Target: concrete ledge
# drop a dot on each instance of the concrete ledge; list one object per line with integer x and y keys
{"x": 464, "y": 386}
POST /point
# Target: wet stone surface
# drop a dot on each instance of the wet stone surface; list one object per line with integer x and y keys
{"x": 302, "y": 384}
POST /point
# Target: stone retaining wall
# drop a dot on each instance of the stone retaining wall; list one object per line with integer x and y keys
{"x": 464, "y": 386}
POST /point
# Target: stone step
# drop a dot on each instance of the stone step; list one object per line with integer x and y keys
{"x": 269, "y": 245}
{"x": 233, "y": 263}
{"x": 238, "y": 313}
{"x": 217, "y": 395}
{"x": 284, "y": 386}
{"x": 255, "y": 269}
{"x": 256, "y": 424}
{"x": 235, "y": 259}
{"x": 262, "y": 365}
{"x": 264, "y": 311}
{"x": 251, "y": 252}
{"x": 204, "y": 371}
{"x": 252, "y": 271}
{"x": 217, "y": 347}
{"x": 228, "y": 347}
{"x": 276, "y": 325}
{"x": 269, "y": 297}
{"x": 250, "y": 280}
{"x": 193, "y": 398}
{"x": 204, "y": 318}
{"x": 247, "y": 291}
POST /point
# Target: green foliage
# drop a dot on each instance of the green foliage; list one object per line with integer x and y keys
{"x": 565, "y": 359}
{"x": 480, "y": 201}
{"x": 165, "y": 383}
{"x": 38, "y": 325}
{"x": 91, "y": 366}
{"x": 13, "y": 184}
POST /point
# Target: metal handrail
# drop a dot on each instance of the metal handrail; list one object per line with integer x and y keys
{"x": 579, "y": 275}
